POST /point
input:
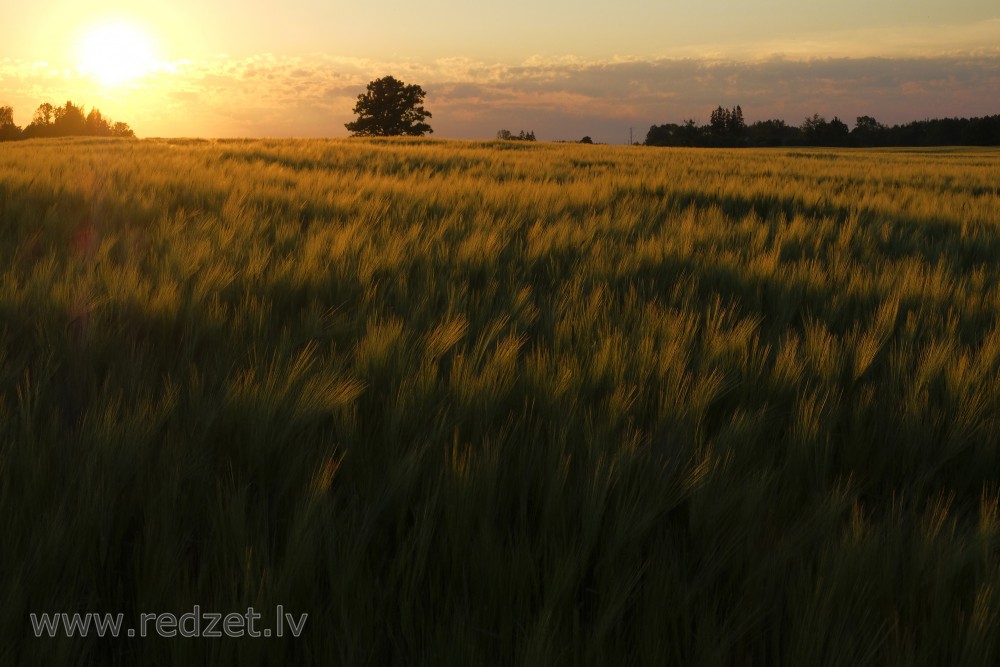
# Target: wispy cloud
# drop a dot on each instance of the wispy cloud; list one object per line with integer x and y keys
{"x": 902, "y": 40}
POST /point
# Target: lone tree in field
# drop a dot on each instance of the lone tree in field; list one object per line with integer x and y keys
{"x": 390, "y": 108}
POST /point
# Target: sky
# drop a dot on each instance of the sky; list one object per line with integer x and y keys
{"x": 560, "y": 68}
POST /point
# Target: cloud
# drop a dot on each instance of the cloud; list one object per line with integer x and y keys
{"x": 670, "y": 90}
{"x": 558, "y": 98}
{"x": 903, "y": 39}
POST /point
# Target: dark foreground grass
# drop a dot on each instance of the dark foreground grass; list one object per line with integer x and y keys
{"x": 468, "y": 405}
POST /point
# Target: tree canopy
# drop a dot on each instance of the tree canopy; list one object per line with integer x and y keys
{"x": 726, "y": 127}
{"x": 8, "y": 130}
{"x": 390, "y": 108}
{"x": 507, "y": 135}
{"x": 727, "y": 124}
{"x": 68, "y": 120}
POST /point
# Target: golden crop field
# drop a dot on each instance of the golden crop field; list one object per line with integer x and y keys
{"x": 502, "y": 403}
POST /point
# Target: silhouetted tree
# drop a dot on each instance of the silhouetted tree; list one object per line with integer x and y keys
{"x": 817, "y": 131}
{"x": 390, "y": 108}
{"x": 41, "y": 122}
{"x": 671, "y": 134}
{"x": 97, "y": 125}
{"x": 736, "y": 122}
{"x": 122, "y": 130}
{"x": 812, "y": 128}
{"x": 69, "y": 121}
{"x": 837, "y": 133}
{"x": 981, "y": 132}
{"x": 507, "y": 135}
{"x": 719, "y": 121}
{"x": 868, "y": 132}
{"x": 943, "y": 132}
{"x": 586, "y": 140}
{"x": 727, "y": 125}
{"x": 8, "y": 130}
{"x": 43, "y": 114}
{"x": 690, "y": 133}
{"x": 868, "y": 125}
{"x": 661, "y": 135}
{"x": 773, "y": 133}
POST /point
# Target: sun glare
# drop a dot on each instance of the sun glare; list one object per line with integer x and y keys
{"x": 116, "y": 53}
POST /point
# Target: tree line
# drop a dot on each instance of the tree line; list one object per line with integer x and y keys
{"x": 392, "y": 108}
{"x": 68, "y": 120}
{"x": 727, "y": 128}
{"x": 507, "y": 135}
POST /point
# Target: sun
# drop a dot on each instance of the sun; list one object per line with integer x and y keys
{"x": 116, "y": 52}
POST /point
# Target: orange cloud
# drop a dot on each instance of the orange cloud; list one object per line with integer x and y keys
{"x": 560, "y": 98}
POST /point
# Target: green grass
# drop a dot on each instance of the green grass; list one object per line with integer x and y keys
{"x": 485, "y": 403}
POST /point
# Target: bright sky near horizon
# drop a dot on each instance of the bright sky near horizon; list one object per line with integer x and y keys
{"x": 561, "y": 68}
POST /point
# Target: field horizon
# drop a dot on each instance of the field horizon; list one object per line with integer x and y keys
{"x": 487, "y": 402}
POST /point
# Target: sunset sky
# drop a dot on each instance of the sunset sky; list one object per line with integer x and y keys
{"x": 561, "y": 68}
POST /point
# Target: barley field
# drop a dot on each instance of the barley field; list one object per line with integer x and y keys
{"x": 502, "y": 403}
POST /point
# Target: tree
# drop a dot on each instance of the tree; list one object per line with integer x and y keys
{"x": 719, "y": 121}
{"x": 773, "y": 133}
{"x": 41, "y": 122}
{"x": 813, "y": 129}
{"x": 122, "y": 130}
{"x": 70, "y": 120}
{"x": 390, "y": 108}
{"x": 8, "y": 130}
{"x": 689, "y": 132}
{"x": 507, "y": 135}
{"x": 97, "y": 124}
{"x": 586, "y": 140}
{"x": 817, "y": 131}
{"x": 868, "y": 131}
{"x": 868, "y": 124}
{"x": 981, "y": 131}
{"x": 837, "y": 132}
{"x": 727, "y": 125}
{"x": 43, "y": 114}
{"x": 737, "y": 124}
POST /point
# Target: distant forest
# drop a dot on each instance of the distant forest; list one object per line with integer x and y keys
{"x": 726, "y": 128}
{"x": 65, "y": 121}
